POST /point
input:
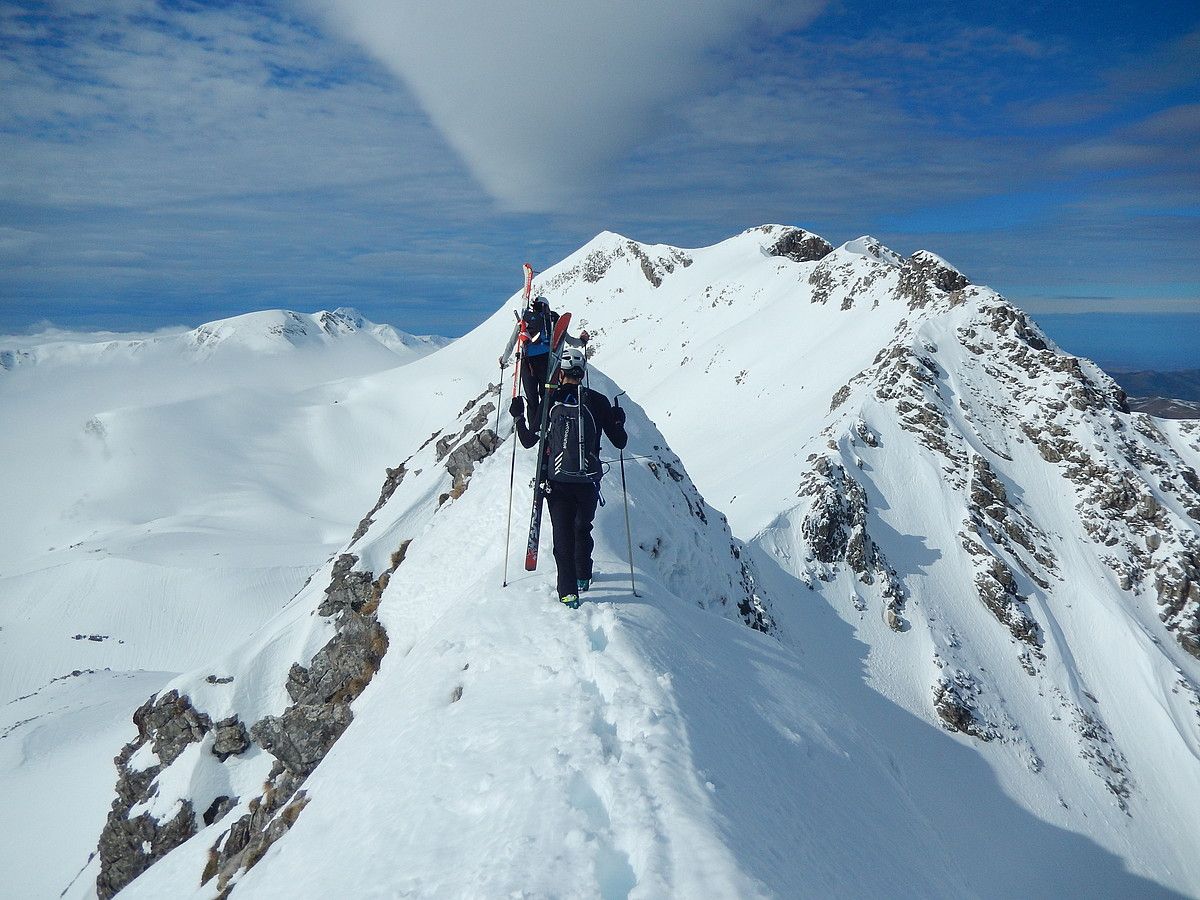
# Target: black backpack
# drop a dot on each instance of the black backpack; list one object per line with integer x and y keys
{"x": 571, "y": 434}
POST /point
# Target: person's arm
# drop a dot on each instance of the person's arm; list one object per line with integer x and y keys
{"x": 517, "y": 410}
{"x": 580, "y": 341}
{"x": 567, "y": 340}
{"x": 512, "y": 341}
{"x": 611, "y": 419}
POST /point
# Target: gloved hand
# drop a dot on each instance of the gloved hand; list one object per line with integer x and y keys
{"x": 516, "y": 409}
{"x": 618, "y": 416}
{"x": 584, "y": 336}
{"x": 501, "y": 362}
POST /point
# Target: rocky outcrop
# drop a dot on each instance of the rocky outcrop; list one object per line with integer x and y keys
{"x": 799, "y": 245}
{"x": 833, "y": 273}
{"x": 597, "y": 263}
{"x": 923, "y": 274}
{"x": 835, "y": 531}
{"x": 1097, "y": 747}
{"x": 955, "y": 696}
{"x": 298, "y": 738}
{"x": 130, "y": 844}
{"x": 997, "y": 589}
{"x": 393, "y": 479}
{"x": 668, "y": 469}
{"x": 1134, "y": 494}
{"x": 995, "y": 526}
{"x": 348, "y": 591}
{"x": 301, "y": 736}
{"x": 248, "y": 839}
{"x": 1177, "y": 583}
{"x": 322, "y": 692}
{"x": 992, "y": 513}
{"x": 229, "y": 738}
{"x": 461, "y": 462}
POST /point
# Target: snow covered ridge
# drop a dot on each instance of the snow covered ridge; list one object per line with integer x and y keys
{"x": 222, "y": 757}
{"x": 268, "y": 331}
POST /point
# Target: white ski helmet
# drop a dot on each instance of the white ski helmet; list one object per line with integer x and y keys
{"x": 574, "y": 361}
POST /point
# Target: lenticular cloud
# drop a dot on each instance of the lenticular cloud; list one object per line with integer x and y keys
{"x": 536, "y": 98}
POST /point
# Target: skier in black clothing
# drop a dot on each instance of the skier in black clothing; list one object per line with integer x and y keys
{"x": 539, "y": 320}
{"x": 578, "y": 415}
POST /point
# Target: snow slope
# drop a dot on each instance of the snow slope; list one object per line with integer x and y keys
{"x": 981, "y": 571}
{"x": 172, "y": 485}
{"x": 161, "y": 503}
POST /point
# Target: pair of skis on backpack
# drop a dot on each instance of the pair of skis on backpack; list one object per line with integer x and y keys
{"x": 539, "y": 480}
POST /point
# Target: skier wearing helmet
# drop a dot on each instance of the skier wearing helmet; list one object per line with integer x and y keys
{"x": 538, "y": 320}
{"x": 578, "y": 416}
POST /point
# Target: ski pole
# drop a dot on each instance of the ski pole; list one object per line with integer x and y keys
{"x": 512, "y": 472}
{"x": 625, "y": 493}
{"x": 512, "y": 469}
{"x": 499, "y": 397}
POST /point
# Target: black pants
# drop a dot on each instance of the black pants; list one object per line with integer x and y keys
{"x": 533, "y": 382}
{"x": 572, "y": 508}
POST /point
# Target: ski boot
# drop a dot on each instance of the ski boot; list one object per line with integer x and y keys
{"x": 571, "y": 601}
{"x": 582, "y": 584}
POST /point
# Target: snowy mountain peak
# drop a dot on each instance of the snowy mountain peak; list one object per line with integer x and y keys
{"x": 277, "y": 329}
{"x": 960, "y": 490}
{"x": 871, "y": 248}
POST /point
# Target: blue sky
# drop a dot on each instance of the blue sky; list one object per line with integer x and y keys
{"x": 165, "y": 163}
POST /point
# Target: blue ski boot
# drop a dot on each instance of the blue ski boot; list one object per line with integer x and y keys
{"x": 583, "y": 584}
{"x": 571, "y": 601}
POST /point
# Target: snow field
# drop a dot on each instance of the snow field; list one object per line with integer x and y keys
{"x": 56, "y": 774}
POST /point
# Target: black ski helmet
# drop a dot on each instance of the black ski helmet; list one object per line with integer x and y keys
{"x": 539, "y": 302}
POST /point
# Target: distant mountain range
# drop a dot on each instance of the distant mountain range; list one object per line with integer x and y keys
{"x": 263, "y": 333}
{"x": 1169, "y": 395}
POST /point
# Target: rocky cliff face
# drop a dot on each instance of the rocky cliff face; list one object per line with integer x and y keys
{"x": 1002, "y": 455}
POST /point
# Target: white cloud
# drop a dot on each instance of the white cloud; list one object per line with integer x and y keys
{"x": 537, "y": 98}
